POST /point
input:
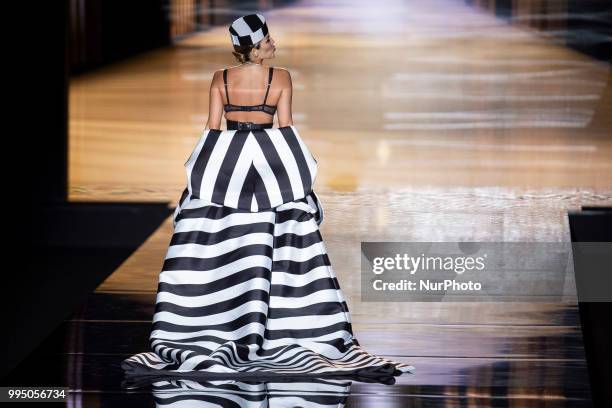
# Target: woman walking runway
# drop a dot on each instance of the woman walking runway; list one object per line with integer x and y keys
{"x": 247, "y": 290}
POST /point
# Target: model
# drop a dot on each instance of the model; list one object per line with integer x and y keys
{"x": 247, "y": 290}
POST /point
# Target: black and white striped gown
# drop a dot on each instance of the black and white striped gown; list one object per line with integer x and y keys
{"x": 247, "y": 288}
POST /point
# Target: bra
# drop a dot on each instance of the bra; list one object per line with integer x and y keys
{"x": 269, "y": 109}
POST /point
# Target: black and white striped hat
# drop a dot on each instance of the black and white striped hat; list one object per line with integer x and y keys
{"x": 248, "y": 30}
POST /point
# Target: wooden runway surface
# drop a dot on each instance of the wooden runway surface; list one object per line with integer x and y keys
{"x": 431, "y": 121}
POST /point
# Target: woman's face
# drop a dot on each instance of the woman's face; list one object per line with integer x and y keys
{"x": 267, "y": 48}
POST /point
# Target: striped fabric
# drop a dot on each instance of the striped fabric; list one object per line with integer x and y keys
{"x": 251, "y": 169}
{"x": 247, "y": 288}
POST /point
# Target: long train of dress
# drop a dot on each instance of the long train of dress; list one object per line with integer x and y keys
{"x": 247, "y": 289}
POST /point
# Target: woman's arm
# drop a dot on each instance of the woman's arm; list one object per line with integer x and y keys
{"x": 215, "y": 103}
{"x": 283, "y": 109}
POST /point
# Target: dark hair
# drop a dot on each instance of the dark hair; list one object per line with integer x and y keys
{"x": 242, "y": 52}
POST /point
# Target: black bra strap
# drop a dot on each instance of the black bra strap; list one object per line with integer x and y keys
{"x": 225, "y": 82}
{"x": 270, "y": 72}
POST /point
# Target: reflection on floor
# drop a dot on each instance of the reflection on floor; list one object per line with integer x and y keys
{"x": 498, "y": 355}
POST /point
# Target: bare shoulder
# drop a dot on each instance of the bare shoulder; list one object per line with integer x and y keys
{"x": 218, "y": 76}
{"x": 283, "y": 76}
{"x": 282, "y": 72}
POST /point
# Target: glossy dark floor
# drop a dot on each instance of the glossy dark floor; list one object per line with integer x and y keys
{"x": 488, "y": 364}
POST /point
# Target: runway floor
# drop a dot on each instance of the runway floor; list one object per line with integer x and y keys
{"x": 431, "y": 121}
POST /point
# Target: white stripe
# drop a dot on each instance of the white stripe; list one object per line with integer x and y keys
{"x": 310, "y": 322}
{"x": 219, "y": 318}
{"x": 288, "y": 159}
{"x": 296, "y": 227}
{"x": 295, "y": 205}
{"x": 208, "y": 251}
{"x": 207, "y": 276}
{"x": 312, "y": 164}
{"x": 290, "y": 279}
{"x": 267, "y": 175}
{"x": 215, "y": 297}
{"x": 327, "y": 295}
{"x": 231, "y": 220}
{"x": 211, "y": 172}
{"x": 195, "y": 153}
{"x": 289, "y": 253}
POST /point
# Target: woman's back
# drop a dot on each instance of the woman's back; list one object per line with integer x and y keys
{"x": 254, "y": 93}
{"x": 263, "y": 107}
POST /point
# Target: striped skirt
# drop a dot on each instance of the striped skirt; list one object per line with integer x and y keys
{"x": 247, "y": 289}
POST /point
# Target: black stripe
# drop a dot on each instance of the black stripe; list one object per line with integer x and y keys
{"x": 227, "y": 166}
{"x": 296, "y": 241}
{"x": 300, "y": 268}
{"x": 232, "y": 325}
{"x": 183, "y": 196}
{"x": 230, "y": 304}
{"x": 211, "y": 238}
{"x": 294, "y": 145}
{"x": 295, "y": 214}
{"x": 166, "y": 345}
{"x": 248, "y": 189}
{"x": 198, "y": 168}
{"x": 211, "y": 212}
{"x": 316, "y": 309}
{"x": 304, "y": 333}
{"x": 190, "y": 289}
{"x": 275, "y": 163}
{"x": 301, "y": 291}
{"x": 204, "y": 264}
